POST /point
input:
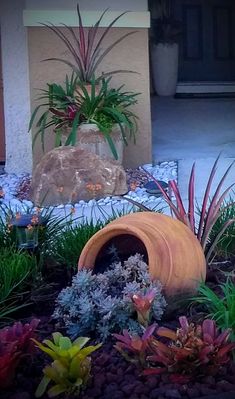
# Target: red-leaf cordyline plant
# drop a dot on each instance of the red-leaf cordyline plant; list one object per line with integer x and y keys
{"x": 142, "y": 304}
{"x": 209, "y": 212}
{"x": 85, "y": 47}
{"x": 192, "y": 350}
{"x": 133, "y": 347}
{"x": 15, "y": 343}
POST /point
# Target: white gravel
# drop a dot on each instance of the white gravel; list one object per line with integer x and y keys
{"x": 100, "y": 209}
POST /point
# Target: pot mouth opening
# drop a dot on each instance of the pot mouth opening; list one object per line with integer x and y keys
{"x": 119, "y": 249}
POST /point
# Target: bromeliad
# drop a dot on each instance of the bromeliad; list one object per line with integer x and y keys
{"x": 142, "y": 304}
{"x": 70, "y": 369}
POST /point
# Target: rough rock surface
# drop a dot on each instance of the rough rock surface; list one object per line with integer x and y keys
{"x": 69, "y": 174}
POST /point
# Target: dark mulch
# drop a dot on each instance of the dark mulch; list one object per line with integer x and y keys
{"x": 114, "y": 378}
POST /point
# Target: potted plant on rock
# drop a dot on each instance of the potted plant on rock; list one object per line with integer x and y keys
{"x": 101, "y": 121}
{"x": 165, "y": 49}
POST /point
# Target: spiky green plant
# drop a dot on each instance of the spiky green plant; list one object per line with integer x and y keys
{"x": 221, "y": 308}
{"x": 103, "y": 106}
{"x": 225, "y": 245}
{"x": 18, "y": 270}
{"x": 57, "y": 108}
{"x": 209, "y": 212}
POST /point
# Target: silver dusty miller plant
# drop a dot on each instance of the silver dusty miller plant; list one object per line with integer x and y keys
{"x": 101, "y": 303}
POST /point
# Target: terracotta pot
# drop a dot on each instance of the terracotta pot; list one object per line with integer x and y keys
{"x": 175, "y": 256}
{"x": 90, "y": 138}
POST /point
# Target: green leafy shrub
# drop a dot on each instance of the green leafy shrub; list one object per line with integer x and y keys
{"x": 220, "y": 308}
{"x": 70, "y": 369}
{"x": 15, "y": 344}
{"x": 102, "y": 303}
{"x": 17, "y": 272}
{"x": 68, "y": 246}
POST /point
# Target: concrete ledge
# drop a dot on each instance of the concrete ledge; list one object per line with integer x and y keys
{"x": 138, "y": 19}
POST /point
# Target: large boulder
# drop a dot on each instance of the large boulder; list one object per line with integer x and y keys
{"x": 69, "y": 174}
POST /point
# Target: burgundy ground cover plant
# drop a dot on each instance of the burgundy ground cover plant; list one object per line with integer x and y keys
{"x": 15, "y": 343}
{"x": 133, "y": 347}
{"x": 190, "y": 351}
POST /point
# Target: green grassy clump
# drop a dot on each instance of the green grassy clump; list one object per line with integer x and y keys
{"x": 70, "y": 243}
{"x": 226, "y": 244}
{"x": 219, "y": 308}
{"x": 18, "y": 270}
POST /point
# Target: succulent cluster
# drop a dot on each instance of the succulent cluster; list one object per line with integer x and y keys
{"x": 15, "y": 343}
{"x": 192, "y": 350}
{"x": 107, "y": 302}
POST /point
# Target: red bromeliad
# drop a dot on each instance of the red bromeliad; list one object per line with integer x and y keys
{"x": 15, "y": 342}
{"x": 191, "y": 350}
{"x": 133, "y": 347}
{"x": 143, "y": 304}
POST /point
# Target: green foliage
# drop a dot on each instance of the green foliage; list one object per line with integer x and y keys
{"x": 70, "y": 369}
{"x": 57, "y": 108}
{"x": 220, "y": 308}
{"x": 18, "y": 270}
{"x": 102, "y": 303}
{"x": 226, "y": 243}
{"x": 67, "y": 246}
{"x": 103, "y": 106}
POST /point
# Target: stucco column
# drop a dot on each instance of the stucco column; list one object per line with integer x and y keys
{"x": 16, "y": 92}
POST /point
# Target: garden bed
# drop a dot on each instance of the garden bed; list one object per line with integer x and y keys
{"x": 176, "y": 347}
{"x": 112, "y": 375}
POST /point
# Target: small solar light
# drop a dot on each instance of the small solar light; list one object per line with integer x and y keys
{"x": 27, "y": 226}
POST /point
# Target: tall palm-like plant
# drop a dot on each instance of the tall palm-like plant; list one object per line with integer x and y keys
{"x": 85, "y": 47}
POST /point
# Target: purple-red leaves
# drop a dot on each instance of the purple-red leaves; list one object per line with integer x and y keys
{"x": 209, "y": 211}
{"x": 192, "y": 350}
{"x": 85, "y": 47}
{"x": 133, "y": 347}
{"x": 15, "y": 342}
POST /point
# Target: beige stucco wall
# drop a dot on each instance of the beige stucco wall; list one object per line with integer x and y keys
{"x": 130, "y": 54}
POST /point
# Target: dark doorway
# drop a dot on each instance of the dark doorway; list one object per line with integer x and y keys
{"x": 2, "y": 132}
{"x": 207, "y": 46}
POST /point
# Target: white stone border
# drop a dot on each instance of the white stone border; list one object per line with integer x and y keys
{"x": 132, "y": 19}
